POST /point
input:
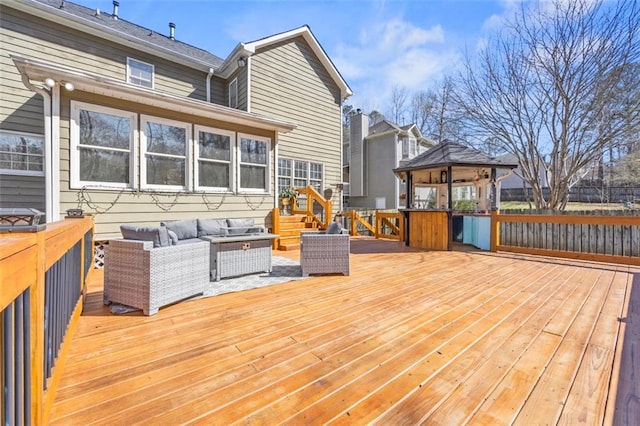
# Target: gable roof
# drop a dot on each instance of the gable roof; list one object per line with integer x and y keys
{"x": 452, "y": 154}
{"x": 106, "y": 26}
{"x": 304, "y": 31}
{"x": 384, "y": 126}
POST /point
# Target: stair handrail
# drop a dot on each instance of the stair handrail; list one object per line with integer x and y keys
{"x": 313, "y": 195}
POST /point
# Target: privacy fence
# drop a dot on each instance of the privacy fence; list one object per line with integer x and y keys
{"x": 581, "y": 194}
{"x": 612, "y": 236}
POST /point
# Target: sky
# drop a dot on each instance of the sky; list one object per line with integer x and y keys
{"x": 376, "y": 45}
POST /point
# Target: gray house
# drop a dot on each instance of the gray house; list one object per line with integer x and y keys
{"x": 135, "y": 126}
{"x": 370, "y": 156}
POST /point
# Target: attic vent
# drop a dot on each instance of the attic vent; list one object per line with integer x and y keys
{"x": 115, "y": 10}
{"x": 172, "y": 31}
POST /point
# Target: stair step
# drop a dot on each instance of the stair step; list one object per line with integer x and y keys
{"x": 289, "y": 246}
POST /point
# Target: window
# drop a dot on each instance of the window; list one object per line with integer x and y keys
{"x": 405, "y": 148}
{"x": 213, "y": 158}
{"x": 102, "y": 141}
{"x": 233, "y": 94}
{"x": 299, "y": 174}
{"x": 21, "y": 153}
{"x": 412, "y": 147}
{"x": 253, "y": 163}
{"x": 140, "y": 73}
{"x": 285, "y": 172}
{"x": 164, "y": 153}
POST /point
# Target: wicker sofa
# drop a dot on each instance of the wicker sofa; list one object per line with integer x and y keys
{"x": 153, "y": 266}
{"x": 325, "y": 252}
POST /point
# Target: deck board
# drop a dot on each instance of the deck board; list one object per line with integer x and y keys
{"x": 410, "y": 336}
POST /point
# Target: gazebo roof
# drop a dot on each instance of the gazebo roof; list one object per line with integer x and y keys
{"x": 452, "y": 154}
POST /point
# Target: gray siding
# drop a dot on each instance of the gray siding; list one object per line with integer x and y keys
{"x": 290, "y": 83}
{"x": 22, "y": 191}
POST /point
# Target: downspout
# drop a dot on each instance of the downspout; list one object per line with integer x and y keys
{"x": 52, "y": 208}
{"x": 208, "y": 84}
{"x": 249, "y": 84}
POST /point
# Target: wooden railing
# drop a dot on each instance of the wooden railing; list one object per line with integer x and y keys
{"x": 390, "y": 225}
{"x": 315, "y": 206}
{"x": 596, "y": 237}
{"x": 42, "y": 275}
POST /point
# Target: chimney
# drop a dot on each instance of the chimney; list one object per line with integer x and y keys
{"x": 359, "y": 129}
{"x": 115, "y": 10}
{"x": 172, "y": 31}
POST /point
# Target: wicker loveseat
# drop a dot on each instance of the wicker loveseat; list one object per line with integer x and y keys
{"x": 325, "y": 252}
{"x": 153, "y": 266}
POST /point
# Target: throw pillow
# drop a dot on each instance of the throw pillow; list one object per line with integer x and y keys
{"x": 334, "y": 228}
{"x": 173, "y": 237}
{"x": 157, "y": 234}
{"x": 211, "y": 227}
{"x": 183, "y": 228}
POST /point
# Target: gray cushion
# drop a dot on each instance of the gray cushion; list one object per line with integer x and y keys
{"x": 239, "y": 226}
{"x": 211, "y": 227}
{"x": 183, "y": 228}
{"x": 334, "y": 228}
{"x": 158, "y": 234}
{"x": 189, "y": 241}
{"x": 173, "y": 237}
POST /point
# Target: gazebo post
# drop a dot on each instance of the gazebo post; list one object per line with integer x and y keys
{"x": 450, "y": 207}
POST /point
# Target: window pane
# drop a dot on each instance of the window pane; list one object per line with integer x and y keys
{"x": 316, "y": 171}
{"x": 213, "y": 174}
{"x": 252, "y": 151}
{"x": 284, "y": 167}
{"x": 300, "y": 183}
{"x": 166, "y": 139}
{"x": 214, "y": 147}
{"x": 253, "y": 177}
{"x": 100, "y": 129}
{"x": 140, "y": 73}
{"x": 165, "y": 171}
{"x": 98, "y": 165}
{"x": 21, "y": 152}
{"x": 301, "y": 170}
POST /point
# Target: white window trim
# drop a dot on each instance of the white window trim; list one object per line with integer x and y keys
{"x": 26, "y": 172}
{"x": 267, "y": 189}
{"x": 76, "y": 183}
{"x": 233, "y": 86}
{"x": 188, "y": 154}
{"x": 153, "y": 72}
{"x": 196, "y": 158}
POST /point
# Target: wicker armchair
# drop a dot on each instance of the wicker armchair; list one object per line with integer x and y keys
{"x": 146, "y": 277}
{"x": 322, "y": 253}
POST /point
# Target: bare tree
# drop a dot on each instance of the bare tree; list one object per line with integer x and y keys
{"x": 437, "y": 115}
{"x": 398, "y": 107}
{"x": 546, "y": 89}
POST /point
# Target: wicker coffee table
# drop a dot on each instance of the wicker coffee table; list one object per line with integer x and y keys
{"x": 239, "y": 255}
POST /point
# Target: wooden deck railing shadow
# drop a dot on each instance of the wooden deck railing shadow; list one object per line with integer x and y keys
{"x": 41, "y": 284}
{"x": 601, "y": 238}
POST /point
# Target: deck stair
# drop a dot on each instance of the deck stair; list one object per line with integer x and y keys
{"x": 290, "y": 229}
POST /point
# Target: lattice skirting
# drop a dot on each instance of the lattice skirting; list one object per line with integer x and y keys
{"x": 98, "y": 253}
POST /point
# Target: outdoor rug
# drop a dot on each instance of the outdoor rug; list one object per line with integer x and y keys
{"x": 283, "y": 270}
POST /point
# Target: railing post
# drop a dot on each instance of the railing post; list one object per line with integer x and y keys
{"x": 275, "y": 225}
{"x": 378, "y": 224}
{"x": 494, "y": 238}
{"x": 36, "y": 356}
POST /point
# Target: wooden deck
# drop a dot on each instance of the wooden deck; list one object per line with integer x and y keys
{"x": 410, "y": 337}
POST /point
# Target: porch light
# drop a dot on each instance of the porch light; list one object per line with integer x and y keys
{"x": 50, "y": 83}
{"x": 242, "y": 61}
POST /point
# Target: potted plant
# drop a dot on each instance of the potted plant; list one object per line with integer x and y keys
{"x": 286, "y": 196}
